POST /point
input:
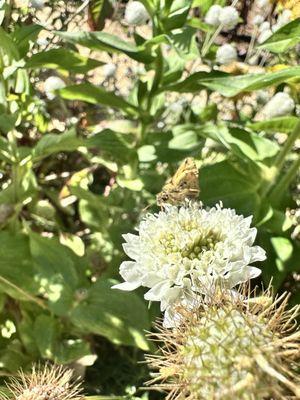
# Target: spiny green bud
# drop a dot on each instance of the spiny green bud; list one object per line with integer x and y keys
{"x": 43, "y": 383}
{"x": 231, "y": 348}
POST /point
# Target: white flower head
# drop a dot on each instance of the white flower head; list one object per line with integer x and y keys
{"x": 280, "y": 104}
{"x": 226, "y": 54}
{"x": 258, "y": 20}
{"x": 283, "y": 19}
{"x": 228, "y": 17}
{"x": 37, "y": 4}
{"x": 182, "y": 252}
{"x": 51, "y": 84}
{"x": 212, "y": 15}
{"x": 109, "y": 70}
{"x": 136, "y": 13}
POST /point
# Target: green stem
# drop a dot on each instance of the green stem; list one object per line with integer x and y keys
{"x": 288, "y": 145}
{"x": 280, "y": 160}
{"x": 157, "y": 77}
{"x": 276, "y": 194}
{"x": 25, "y": 294}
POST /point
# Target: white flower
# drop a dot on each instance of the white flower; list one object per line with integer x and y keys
{"x": 182, "y": 252}
{"x": 212, "y": 15}
{"x": 283, "y": 19}
{"x": 228, "y": 17}
{"x": 37, "y": 4}
{"x": 226, "y": 54}
{"x": 51, "y": 84}
{"x": 264, "y": 36}
{"x": 258, "y": 20}
{"x": 136, "y": 13}
{"x": 280, "y": 104}
{"x": 109, "y": 70}
{"x": 264, "y": 26}
{"x": 263, "y": 3}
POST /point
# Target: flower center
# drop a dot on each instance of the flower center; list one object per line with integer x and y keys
{"x": 199, "y": 243}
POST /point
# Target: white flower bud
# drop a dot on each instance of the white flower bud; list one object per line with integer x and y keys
{"x": 212, "y": 15}
{"x": 226, "y": 54}
{"x": 51, "y": 84}
{"x": 264, "y": 26}
{"x": 264, "y": 35}
{"x": 258, "y": 20}
{"x": 109, "y": 70}
{"x": 136, "y": 13}
{"x": 37, "y": 4}
{"x": 229, "y": 18}
{"x": 282, "y": 20}
{"x": 263, "y": 3}
{"x": 280, "y": 104}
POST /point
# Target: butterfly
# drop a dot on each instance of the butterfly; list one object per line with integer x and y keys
{"x": 183, "y": 185}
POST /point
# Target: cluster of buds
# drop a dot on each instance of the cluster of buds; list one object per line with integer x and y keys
{"x": 227, "y": 17}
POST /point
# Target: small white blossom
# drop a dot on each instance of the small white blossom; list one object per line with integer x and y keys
{"x": 280, "y": 104}
{"x": 283, "y": 19}
{"x": 228, "y": 17}
{"x": 263, "y": 3}
{"x": 51, "y": 84}
{"x": 37, "y": 4}
{"x": 264, "y": 35}
{"x": 226, "y": 54}
{"x": 136, "y": 13}
{"x": 258, "y": 20}
{"x": 212, "y": 15}
{"x": 264, "y": 26}
{"x": 182, "y": 252}
{"x": 109, "y": 70}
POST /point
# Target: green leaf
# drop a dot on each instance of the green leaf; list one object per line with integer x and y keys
{"x": 16, "y": 266}
{"x": 178, "y": 14}
{"x": 283, "y": 39}
{"x": 56, "y": 271}
{"x": 184, "y": 42}
{"x": 22, "y": 36}
{"x": 7, "y": 122}
{"x": 63, "y": 59}
{"x": 223, "y": 182}
{"x": 229, "y": 86}
{"x": 119, "y": 316}
{"x": 281, "y": 124}
{"x": 107, "y": 42}
{"x": 99, "y": 10}
{"x": 45, "y": 330}
{"x": 116, "y": 145}
{"x": 52, "y": 143}
{"x": 97, "y": 95}
{"x": 198, "y": 24}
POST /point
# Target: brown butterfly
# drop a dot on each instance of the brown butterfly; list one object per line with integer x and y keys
{"x": 183, "y": 185}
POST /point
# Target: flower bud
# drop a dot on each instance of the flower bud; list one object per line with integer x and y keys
{"x": 48, "y": 382}
{"x": 264, "y": 35}
{"x": 109, "y": 70}
{"x": 37, "y": 4}
{"x": 51, "y": 84}
{"x": 229, "y": 18}
{"x": 258, "y": 20}
{"x": 212, "y": 15}
{"x": 226, "y": 54}
{"x": 230, "y": 348}
{"x": 136, "y": 13}
{"x": 280, "y": 104}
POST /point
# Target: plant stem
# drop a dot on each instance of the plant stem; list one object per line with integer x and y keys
{"x": 288, "y": 145}
{"x": 25, "y": 294}
{"x": 280, "y": 160}
{"x": 276, "y": 194}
